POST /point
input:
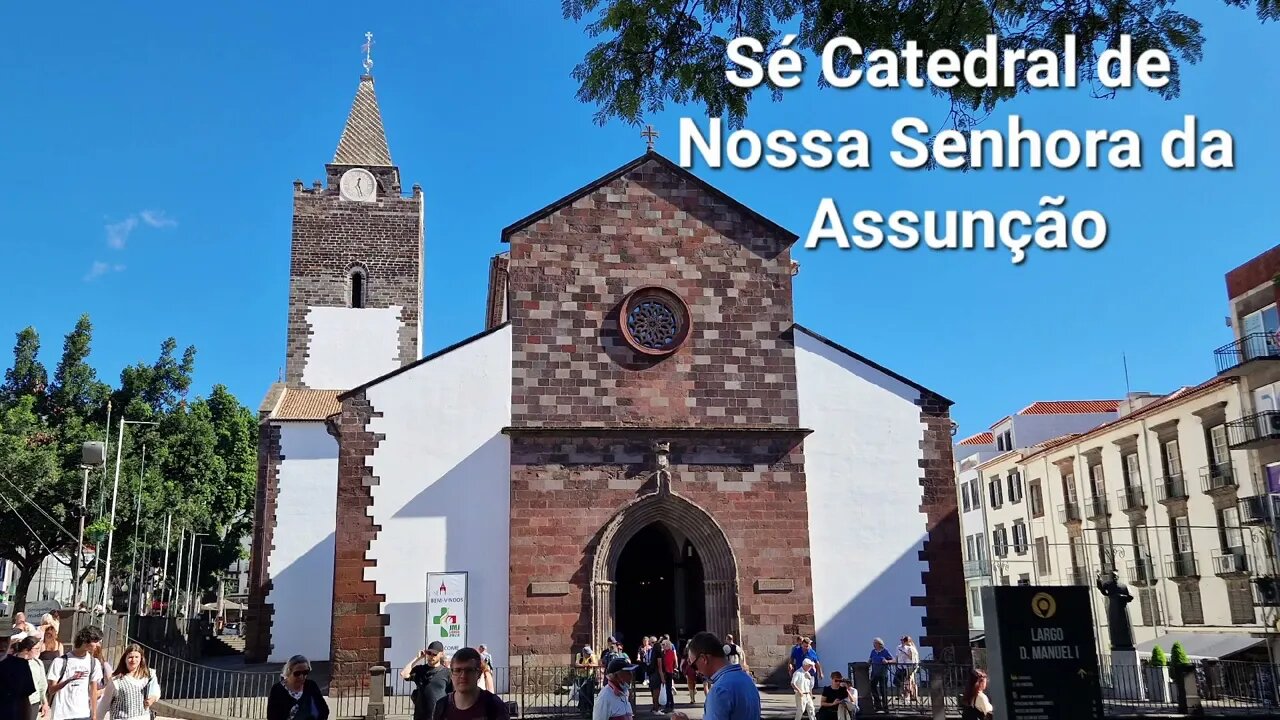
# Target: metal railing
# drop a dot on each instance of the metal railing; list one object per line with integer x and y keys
{"x": 1232, "y": 563}
{"x": 1218, "y": 476}
{"x": 1254, "y": 346}
{"x": 1252, "y": 430}
{"x": 1181, "y": 565}
{"x": 1230, "y": 685}
{"x": 1132, "y": 499}
{"x": 1142, "y": 571}
{"x": 1254, "y": 509}
{"x": 976, "y": 568}
{"x": 1171, "y": 487}
{"x": 1069, "y": 512}
{"x": 1098, "y": 507}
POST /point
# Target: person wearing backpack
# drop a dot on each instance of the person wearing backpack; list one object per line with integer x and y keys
{"x": 296, "y": 696}
{"x": 430, "y": 680}
{"x": 469, "y": 701}
{"x": 76, "y": 679}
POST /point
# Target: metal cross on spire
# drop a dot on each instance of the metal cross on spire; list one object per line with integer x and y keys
{"x": 649, "y": 136}
{"x": 367, "y": 47}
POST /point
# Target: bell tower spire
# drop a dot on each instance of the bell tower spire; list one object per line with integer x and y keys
{"x": 364, "y": 141}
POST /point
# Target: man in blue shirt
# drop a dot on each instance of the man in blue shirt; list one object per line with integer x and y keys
{"x": 800, "y": 653}
{"x": 880, "y": 661}
{"x": 733, "y": 695}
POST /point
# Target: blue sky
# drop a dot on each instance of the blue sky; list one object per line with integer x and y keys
{"x": 151, "y": 154}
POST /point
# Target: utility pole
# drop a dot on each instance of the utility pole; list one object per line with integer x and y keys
{"x": 164, "y": 566}
{"x": 137, "y": 521}
{"x": 115, "y": 490}
{"x": 177, "y": 575}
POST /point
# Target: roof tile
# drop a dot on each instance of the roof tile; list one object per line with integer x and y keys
{"x": 307, "y": 404}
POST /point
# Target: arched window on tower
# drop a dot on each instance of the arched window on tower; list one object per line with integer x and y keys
{"x": 358, "y": 287}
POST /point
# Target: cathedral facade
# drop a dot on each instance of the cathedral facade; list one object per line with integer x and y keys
{"x": 641, "y": 440}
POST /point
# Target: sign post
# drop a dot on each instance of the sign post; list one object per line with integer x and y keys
{"x": 447, "y": 610}
{"x": 1041, "y": 653}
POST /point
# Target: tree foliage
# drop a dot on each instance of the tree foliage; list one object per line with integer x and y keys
{"x": 193, "y": 470}
{"x": 658, "y": 51}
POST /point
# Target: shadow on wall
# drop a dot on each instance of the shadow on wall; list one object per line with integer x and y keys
{"x": 473, "y": 499}
{"x": 302, "y": 613}
{"x": 881, "y": 609}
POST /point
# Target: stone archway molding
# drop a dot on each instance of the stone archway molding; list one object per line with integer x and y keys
{"x": 719, "y": 564}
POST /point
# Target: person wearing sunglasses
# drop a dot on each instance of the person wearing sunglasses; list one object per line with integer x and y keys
{"x": 296, "y": 696}
{"x": 431, "y": 680}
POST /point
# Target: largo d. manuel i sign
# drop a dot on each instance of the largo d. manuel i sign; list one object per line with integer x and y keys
{"x": 1041, "y": 655}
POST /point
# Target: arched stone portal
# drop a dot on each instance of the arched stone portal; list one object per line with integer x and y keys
{"x": 691, "y": 529}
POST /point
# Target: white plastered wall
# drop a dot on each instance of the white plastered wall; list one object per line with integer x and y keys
{"x": 301, "y": 561}
{"x": 350, "y": 346}
{"x": 865, "y": 526}
{"x": 443, "y": 492}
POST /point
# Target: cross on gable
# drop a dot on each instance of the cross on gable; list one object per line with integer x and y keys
{"x": 649, "y": 136}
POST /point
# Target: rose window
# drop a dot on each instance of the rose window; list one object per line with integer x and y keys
{"x": 654, "y": 321}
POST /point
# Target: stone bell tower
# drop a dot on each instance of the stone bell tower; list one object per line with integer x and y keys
{"x": 355, "y": 275}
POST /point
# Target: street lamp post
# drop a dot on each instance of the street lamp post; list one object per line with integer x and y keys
{"x": 191, "y": 582}
{"x": 92, "y": 454}
{"x": 115, "y": 491}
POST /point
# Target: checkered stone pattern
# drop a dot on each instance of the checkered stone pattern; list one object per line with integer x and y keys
{"x": 946, "y": 619}
{"x": 330, "y": 237}
{"x": 570, "y": 271}
{"x": 565, "y": 488}
{"x": 359, "y": 626}
{"x": 259, "y": 614}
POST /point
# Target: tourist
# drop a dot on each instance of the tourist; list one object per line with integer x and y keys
{"x": 668, "y": 674}
{"x": 131, "y": 690}
{"x": 75, "y": 677}
{"x": 296, "y": 696}
{"x": 20, "y": 624}
{"x": 486, "y": 680}
{"x": 974, "y": 704}
{"x": 690, "y": 674}
{"x": 614, "y": 699}
{"x": 469, "y": 701}
{"x": 101, "y": 657}
{"x": 802, "y": 652}
{"x": 839, "y": 701}
{"x": 653, "y": 669}
{"x": 802, "y": 686}
{"x": 38, "y": 700}
{"x": 584, "y": 681}
{"x": 430, "y": 680}
{"x": 880, "y": 661}
{"x": 16, "y": 684}
{"x": 641, "y": 673}
{"x": 50, "y": 647}
{"x": 908, "y": 661}
{"x": 734, "y": 654}
{"x": 50, "y": 620}
{"x": 733, "y": 695}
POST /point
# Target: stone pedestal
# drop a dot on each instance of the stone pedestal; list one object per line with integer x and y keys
{"x": 1126, "y": 673}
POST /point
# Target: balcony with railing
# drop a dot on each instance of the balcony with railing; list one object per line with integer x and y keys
{"x": 1235, "y": 562}
{"x": 1179, "y": 566}
{"x": 1253, "y": 431}
{"x": 1097, "y": 507}
{"x": 1069, "y": 512}
{"x": 1132, "y": 499}
{"x": 1171, "y": 487}
{"x": 976, "y": 568}
{"x": 1142, "y": 571}
{"x": 1259, "y": 509}
{"x": 1218, "y": 478}
{"x": 1238, "y": 356}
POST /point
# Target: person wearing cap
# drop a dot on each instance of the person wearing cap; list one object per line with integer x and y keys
{"x": 614, "y": 700}
{"x": 802, "y": 685}
{"x": 431, "y": 680}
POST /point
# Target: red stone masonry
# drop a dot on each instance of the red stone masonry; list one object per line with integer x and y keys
{"x": 652, "y": 225}
{"x": 946, "y": 619}
{"x": 258, "y": 616}
{"x": 359, "y": 636}
{"x": 566, "y": 488}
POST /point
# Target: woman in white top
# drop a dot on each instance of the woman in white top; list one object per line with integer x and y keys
{"x": 131, "y": 690}
{"x": 908, "y": 660}
{"x": 974, "y": 704}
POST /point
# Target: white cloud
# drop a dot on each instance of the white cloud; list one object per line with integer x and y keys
{"x": 118, "y": 233}
{"x": 100, "y": 268}
{"x": 158, "y": 219}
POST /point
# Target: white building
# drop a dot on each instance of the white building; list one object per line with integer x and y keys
{"x": 969, "y": 453}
